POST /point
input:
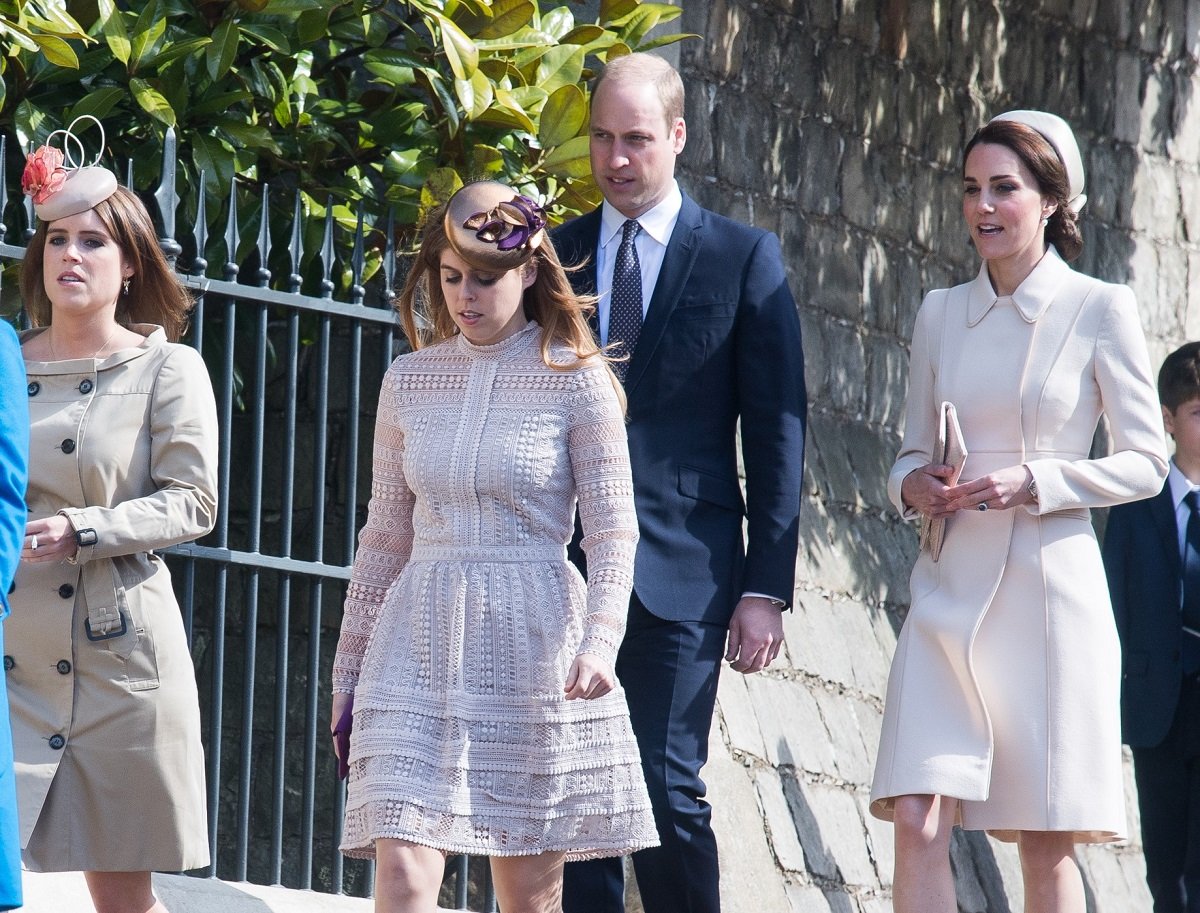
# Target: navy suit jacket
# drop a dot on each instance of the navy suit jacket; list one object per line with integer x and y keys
{"x": 1141, "y": 558}
{"x": 721, "y": 342}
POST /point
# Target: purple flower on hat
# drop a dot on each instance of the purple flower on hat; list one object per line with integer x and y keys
{"x": 509, "y": 225}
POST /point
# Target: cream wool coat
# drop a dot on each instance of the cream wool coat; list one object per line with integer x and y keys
{"x": 106, "y": 733}
{"x": 1004, "y": 689}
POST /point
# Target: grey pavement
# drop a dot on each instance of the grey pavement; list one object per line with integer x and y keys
{"x": 66, "y": 892}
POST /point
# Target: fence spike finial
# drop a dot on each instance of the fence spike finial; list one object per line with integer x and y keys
{"x": 168, "y": 199}
{"x": 264, "y": 239}
{"x": 294, "y": 250}
{"x": 231, "y": 235}
{"x": 327, "y": 251}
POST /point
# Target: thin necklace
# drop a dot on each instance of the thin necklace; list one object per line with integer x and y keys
{"x": 100, "y": 348}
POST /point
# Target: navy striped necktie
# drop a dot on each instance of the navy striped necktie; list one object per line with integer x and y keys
{"x": 625, "y": 305}
{"x": 1191, "y": 585}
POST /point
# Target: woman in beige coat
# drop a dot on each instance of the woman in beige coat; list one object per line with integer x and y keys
{"x": 106, "y": 723}
{"x": 1003, "y": 702}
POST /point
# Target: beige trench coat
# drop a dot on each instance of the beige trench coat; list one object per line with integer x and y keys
{"x": 106, "y": 732}
{"x": 1004, "y": 689}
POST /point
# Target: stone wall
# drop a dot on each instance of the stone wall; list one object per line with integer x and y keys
{"x": 839, "y": 125}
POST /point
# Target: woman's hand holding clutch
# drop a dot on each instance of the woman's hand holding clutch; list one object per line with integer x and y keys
{"x": 999, "y": 490}
{"x": 925, "y": 490}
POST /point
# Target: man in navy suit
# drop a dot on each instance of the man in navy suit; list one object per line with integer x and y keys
{"x": 700, "y": 304}
{"x": 1152, "y": 557}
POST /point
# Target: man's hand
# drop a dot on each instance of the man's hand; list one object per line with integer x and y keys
{"x": 755, "y": 634}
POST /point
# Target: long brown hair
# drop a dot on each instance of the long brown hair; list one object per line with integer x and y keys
{"x": 1062, "y": 229}
{"x": 155, "y": 294}
{"x": 562, "y": 315}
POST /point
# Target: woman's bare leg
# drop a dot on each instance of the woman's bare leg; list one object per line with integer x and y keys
{"x": 529, "y": 884}
{"x": 1052, "y": 880}
{"x": 923, "y": 881}
{"x": 122, "y": 892}
{"x": 407, "y": 876}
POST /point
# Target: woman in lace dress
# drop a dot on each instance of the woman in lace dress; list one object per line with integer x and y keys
{"x": 477, "y": 665}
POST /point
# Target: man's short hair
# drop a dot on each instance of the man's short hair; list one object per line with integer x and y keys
{"x": 1179, "y": 376}
{"x": 643, "y": 68}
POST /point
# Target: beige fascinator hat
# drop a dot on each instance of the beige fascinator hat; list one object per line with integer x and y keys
{"x": 493, "y": 227}
{"x": 1057, "y": 132}
{"x": 59, "y": 182}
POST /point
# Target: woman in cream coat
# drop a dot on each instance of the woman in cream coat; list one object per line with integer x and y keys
{"x": 1003, "y": 702}
{"x": 106, "y": 722}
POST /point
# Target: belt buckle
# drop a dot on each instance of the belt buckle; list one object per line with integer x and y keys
{"x": 87, "y": 627}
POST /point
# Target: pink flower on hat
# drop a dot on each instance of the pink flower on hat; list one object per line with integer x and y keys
{"x": 44, "y": 174}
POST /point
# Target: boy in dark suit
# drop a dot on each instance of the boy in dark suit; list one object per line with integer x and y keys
{"x": 1152, "y": 557}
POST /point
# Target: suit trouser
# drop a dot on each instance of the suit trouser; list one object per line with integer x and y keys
{"x": 669, "y": 672}
{"x": 1168, "y": 784}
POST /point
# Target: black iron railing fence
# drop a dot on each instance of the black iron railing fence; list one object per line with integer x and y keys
{"x": 296, "y": 377}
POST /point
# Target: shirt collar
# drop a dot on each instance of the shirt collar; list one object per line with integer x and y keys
{"x": 657, "y": 222}
{"x": 1032, "y": 296}
{"x": 1180, "y": 485}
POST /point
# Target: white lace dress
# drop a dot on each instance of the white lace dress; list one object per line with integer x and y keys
{"x": 463, "y": 615}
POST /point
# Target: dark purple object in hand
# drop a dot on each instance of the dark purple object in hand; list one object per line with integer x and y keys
{"x": 341, "y": 735}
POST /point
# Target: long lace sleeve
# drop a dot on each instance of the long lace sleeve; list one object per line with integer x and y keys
{"x": 599, "y": 455}
{"x": 384, "y": 544}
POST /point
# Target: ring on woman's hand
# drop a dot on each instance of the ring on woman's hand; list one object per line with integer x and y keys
{"x": 33, "y": 543}
{"x": 982, "y": 505}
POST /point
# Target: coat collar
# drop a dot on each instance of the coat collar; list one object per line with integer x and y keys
{"x": 1032, "y": 296}
{"x": 155, "y": 336}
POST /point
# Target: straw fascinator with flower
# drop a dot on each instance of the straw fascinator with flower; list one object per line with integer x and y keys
{"x": 493, "y": 227}
{"x": 58, "y": 181}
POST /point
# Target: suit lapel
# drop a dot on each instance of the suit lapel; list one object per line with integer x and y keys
{"x": 1162, "y": 514}
{"x": 676, "y": 268}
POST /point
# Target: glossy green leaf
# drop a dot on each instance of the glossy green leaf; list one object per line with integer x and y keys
{"x": 215, "y": 159}
{"x": 271, "y": 37}
{"x": 508, "y": 16}
{"x": 570, "y": 159}
{"x": 558, "y": 22}
{"x": 583, "y": 34}
{"x": 476, "y": 94}
{"x": 57, "y": 51}
{"x": 55, "y": 26}
{"x": 173, "y": 52}
{"x": 560, "y": 66}
{"x": 612, "y": 10}
{"x": 152, "y": 101}
{"x": 311, "y": 25}
{"x": 461, "y": 53}
{"x": 219, "y": 55}
{"x": 99, "y": 103}
{"x": 563, "y": 116}
{"x": 664, "y": 40}
{"x": 147, "y": 30}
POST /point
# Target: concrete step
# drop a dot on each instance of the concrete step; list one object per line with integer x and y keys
{"x": 66, "y": 892}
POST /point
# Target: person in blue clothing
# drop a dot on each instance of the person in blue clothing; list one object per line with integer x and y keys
{"x": 1152, "y": 558}
{"x": 14, "y": 460}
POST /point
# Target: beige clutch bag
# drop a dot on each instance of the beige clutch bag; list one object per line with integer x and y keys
{"x": 951, "y": 450}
